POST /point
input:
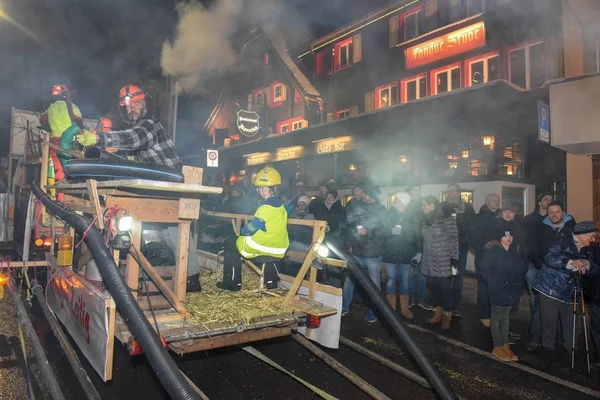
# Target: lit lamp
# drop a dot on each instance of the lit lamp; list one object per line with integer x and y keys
{"x": 510, "y": 170}
{"x": 352, "y": 167}
{"x": 403, "y": 159}
{"x": 121, "y": 240}
{"x": 465, "y": 154}
{"x": 488, "y": 140}
{"x": 453, "y": 165}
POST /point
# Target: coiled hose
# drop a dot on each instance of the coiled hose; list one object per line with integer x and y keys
{"x": 115, "y": 167}
{"x": 161, "y": 362}
{"x": 438, "y": 383}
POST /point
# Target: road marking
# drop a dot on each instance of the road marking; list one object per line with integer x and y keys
{"x": 522, "y": 367}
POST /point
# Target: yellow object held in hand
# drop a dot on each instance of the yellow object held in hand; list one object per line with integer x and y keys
{"x": 86, "y": 138}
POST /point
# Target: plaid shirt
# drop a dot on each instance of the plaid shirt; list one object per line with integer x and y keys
{"x": 147, "y": 140}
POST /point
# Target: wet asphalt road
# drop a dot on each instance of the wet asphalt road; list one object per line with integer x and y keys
{"x": 231, "y": 373}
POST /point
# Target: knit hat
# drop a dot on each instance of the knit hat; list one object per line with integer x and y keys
{"x": 542, "y": 195}
{"x": 403, "y": 197}
{"x": 510, "y": 205}
{"x": 304, "y": 199}
{"x": 372, "y": 191}
{"x": 584, "y": 227}
{"x": 501, "y": 231}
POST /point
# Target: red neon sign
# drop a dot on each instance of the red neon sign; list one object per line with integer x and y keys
{"x": 451, "y": 44}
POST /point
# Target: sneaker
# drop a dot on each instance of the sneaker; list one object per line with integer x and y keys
{"x": 456, "y": 314}
{"x": 411, "y": 302}
{"x": 514, "y": 335}
{"x": 534, "y": 347}
{"x": 423, "y": 304}
{"x": 371, "y": 317}
{"x": 345, "y": 313}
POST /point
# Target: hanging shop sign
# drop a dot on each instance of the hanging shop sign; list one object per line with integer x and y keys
{"x": 288, "y": 153}
{"x": 247, "y": 123}
{"x": 258, "y": 158}
{"x": 451, "y": 44}
{"x": 334, "y": 145}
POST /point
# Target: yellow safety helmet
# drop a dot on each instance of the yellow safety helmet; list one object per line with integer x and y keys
{"x": 267, "y": 177}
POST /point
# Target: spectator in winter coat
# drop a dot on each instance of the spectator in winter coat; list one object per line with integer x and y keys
{"x": 591, "y": 289}
{"x": 502, "y": 270}
{"x": 301, "y": 211}
{"x": 440, "y": 258}
{"x": 335, "y": 215}
{"x": 532, "y": 224}
{"x": 555, "y": 226}
{"x": 366, "y": 242}
{"x": 238, "y": 202}
{"x": 289, "y": 202}
{"x": 566, "y": 260}
{"x": 317, "y": 205}
{"x": 401, "y": 250}
{"x": 464, "y": 217}
{"x": 415, "y": 211}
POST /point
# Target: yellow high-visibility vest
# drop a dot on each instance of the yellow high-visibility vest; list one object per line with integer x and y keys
{"x": 59, "y": 118}
{"x": 274, "y": 242}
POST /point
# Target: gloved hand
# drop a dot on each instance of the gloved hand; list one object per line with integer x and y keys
{"x": 416, "y": 260}
{"x": 86, "y": 138}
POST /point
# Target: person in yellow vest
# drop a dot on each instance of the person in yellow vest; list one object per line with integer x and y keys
{"x": 264, "y": 238}
{"x": 62, "y": 119}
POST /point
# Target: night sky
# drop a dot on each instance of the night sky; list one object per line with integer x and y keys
{"x": 98, "y": 46}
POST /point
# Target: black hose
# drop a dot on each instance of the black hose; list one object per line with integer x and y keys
{"x": 438, "y": 383}
{"x": 163, "y": 365}
{"x": 116, "y": 167}
{"x": 82, "y": 376}
{"x": 40, "y": 356}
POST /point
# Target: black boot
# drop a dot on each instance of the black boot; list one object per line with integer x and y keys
{"x": 271, "y": 276}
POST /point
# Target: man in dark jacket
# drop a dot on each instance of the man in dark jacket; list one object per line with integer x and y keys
{"x": 555, "y": 226}
{"x": 335, "y": 215}
{"x": 317, "y": 205}
{"x": 464, "y": 217}
{"x": 401, "y": 250}
{"x": 366, "y": 240}
{"x": 532, "y": 224}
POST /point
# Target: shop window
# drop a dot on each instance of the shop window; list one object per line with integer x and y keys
{"x": 411, "y": 25}
{"x": 483, "y": 69}
{"x": 527, "y": 66}
{"x": 446, "y": 79}
{"x": 475, "y": 7}
{"x": 414, "y": 88}
{"x": 386, "y": 96}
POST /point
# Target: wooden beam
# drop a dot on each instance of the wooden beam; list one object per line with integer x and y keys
{"x": 148, "y": 210}
{"x": 181, "y": 266}
{"x": 190, "y": 208}
{"x": 304, "y": 269}
{"x": 160, "y": 284}
{"x": 95, "y": 201}
{"x": 132, "y": 272}
{"x": 328, "y": 261}
{"x": 321, "y": 288}
{"x": 24, "y": 264}
{"x": 112, "y": 316}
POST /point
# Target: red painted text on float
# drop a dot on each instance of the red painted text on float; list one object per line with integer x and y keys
{"x": 460, "y": 41}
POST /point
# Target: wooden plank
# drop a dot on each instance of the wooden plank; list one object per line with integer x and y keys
{"x": 146, "y": 185}
{"x": 304, "y": 269}
{"x": 153, "y": 288}
{"x": 132, "y": 272}
{"x": 190, "y": 208}
{"x": 165, "y": 271}
{"x": 149, "y": 210}
{"x": 230, "y": 340}
{"x": 183, "y": 246}
{"x": 95, "y": 201}
{"x": 321, "y": 288}
{"x": 112, "y": 316}
{"x": 312, "y": 308}
{"x": 312, "y": 283}
{"x": 23, "y": 264}
{"x": 160, "y": 284}
{"x": 158, "y": 303}
{"x": 300, "y": 222}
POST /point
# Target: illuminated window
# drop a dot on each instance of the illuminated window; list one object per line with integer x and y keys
{"x": 483, "y": 69}
{"x": 446, "y": 79}
{"x": 342, "y": 54}
{"x": 411, "y": 25}
{"x": 527, "y": 66}
{"x": 285, "y": 128}
{"x": 386, "y": 96}
{"x": 296, "y": 125}
{"x": 277, "y": 93}
{"x": 414, "y": 88}
{"x": 340, "y": 114}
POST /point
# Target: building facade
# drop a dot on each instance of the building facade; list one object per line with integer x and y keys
{"x": 426, "y": 91}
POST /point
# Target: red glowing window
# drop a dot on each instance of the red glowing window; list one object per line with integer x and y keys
{"x": 445, "y": 79}
{"x": 414, "y": 88}
{"x": 386, "y": 95}
{"x": 482, "y": 69}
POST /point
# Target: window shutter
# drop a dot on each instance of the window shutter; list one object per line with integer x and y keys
{"x": 357, "y": 41}
{"x": 330, "y": 116}
{"x": 283, "y": 93}
{"x": 369, "y": 100}
{"x": 393, "y": 31}
{"x": 268, "y": 93}
{"x": 328, "y": 62}
{"x": 336, "y": 58}
{"x": 353, "y": 111}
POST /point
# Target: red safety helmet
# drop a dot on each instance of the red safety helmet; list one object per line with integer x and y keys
{"x": 131, "y": 94}
{"x": 107, "y": 124}
{"x": 60, "y": 91}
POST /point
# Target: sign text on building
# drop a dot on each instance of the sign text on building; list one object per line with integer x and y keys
{"x": 247, "y": 123}
{"x": 289, "y": 153}
{"x": 334, "y": 145}
{"x": 445, "y": 46}
{"x": 258, "y": 158}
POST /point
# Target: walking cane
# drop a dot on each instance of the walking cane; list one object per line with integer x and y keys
{"x": 574, "y": 322}
{"x": 587, "y": 349}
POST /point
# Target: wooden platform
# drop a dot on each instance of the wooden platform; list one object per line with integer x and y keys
{"x": 140, "y": 184}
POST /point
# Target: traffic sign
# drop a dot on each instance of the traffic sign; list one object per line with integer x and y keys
{"x": 212, "y": 158}
{"x": 543, "y": 122}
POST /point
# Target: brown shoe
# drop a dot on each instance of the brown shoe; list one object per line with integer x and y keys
{"x": 391, "y": 298}
{"x": 404, "y": 309}
{"x": 446, "y": 319}
{"x": 486, "y": 323}
{"x": 510, "y": 353}
{"x": 437, "y": 316}
{"x": 500, "y": 353}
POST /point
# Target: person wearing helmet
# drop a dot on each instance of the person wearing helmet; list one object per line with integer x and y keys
{"x": 263, "y": 238}
{"x": 62, "y": 119}
{"x": 107, "y": 124}
{"x": 146, "y": 139}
